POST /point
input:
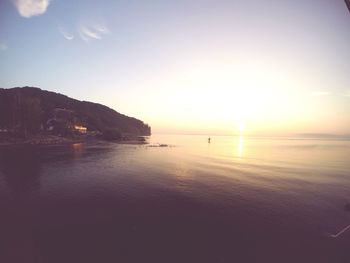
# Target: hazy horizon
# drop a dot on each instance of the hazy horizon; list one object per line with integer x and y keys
{"x": 190, "y": 67}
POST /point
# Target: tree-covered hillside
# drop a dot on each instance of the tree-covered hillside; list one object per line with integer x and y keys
{"x": 31, "y": 108}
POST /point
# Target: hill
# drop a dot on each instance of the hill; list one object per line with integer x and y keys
{"x": 33, "y": 110}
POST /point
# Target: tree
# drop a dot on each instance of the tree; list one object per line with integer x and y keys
{"x": 31, "y": 114}
{"x": 111, "y": 134}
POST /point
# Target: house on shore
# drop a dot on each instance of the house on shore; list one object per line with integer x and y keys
{"x": 64, "y": 122}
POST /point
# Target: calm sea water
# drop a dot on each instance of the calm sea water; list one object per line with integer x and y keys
{"x": 236, "y": 199}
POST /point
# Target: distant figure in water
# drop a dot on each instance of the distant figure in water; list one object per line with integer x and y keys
{"x": 209, "y": 140}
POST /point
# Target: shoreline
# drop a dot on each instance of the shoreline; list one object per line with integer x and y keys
{"x": 50, "y": 140}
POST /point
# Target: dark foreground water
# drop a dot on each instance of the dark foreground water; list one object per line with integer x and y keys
{"x": 234, "y": 200}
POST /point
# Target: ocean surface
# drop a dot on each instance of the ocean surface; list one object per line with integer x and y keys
{"x": 236, "y": 199}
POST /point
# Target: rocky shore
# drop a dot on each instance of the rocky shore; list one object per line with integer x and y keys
{"x": 59, "y": 140}
{"x": 39, "y": 140}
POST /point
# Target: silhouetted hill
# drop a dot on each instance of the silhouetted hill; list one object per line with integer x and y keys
{"x": 33, "y": 108}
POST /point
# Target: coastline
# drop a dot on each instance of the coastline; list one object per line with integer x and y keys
{"x": 49, "y": 140}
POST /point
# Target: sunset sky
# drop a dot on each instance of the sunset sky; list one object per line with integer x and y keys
{"x": 256, "y": 67}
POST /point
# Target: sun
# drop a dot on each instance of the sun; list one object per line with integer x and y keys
{"x": 241, "y": 128}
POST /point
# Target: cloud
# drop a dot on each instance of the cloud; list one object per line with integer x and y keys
{"x": 320, "y": 93}
{"x": 3, "y": 46}
{"x": 88, "y": 33}
{"x": 102, "y": 29}
{"x": 29, "y": 8}
{"x": 66, "y": 34}
{"x": 94, "y": 32}
{"x": 347, "y": 93}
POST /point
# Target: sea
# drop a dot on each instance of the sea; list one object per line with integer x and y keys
{"x": 177, "y": 198}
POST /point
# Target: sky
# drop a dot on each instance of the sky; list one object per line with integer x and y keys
{"x": 251, "y": 67}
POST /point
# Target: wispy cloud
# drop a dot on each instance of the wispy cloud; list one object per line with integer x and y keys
{"x": 102, "y": 29}
{"x": 320, "y": 93}
{"x": 65, "y": 33}
{"x": 29, "y": 8}
{"x": 94, "y": 32}
{"x": 3, "y": 46}
{"x": 87, "y": 33}
{"x": 347, "y": 93}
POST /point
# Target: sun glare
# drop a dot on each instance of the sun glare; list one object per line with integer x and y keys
{"x": 231, "y": 92}
{"x": 241, "y": 128}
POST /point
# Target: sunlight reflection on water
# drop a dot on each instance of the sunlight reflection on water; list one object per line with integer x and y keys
{"x": 240, "y": 147}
